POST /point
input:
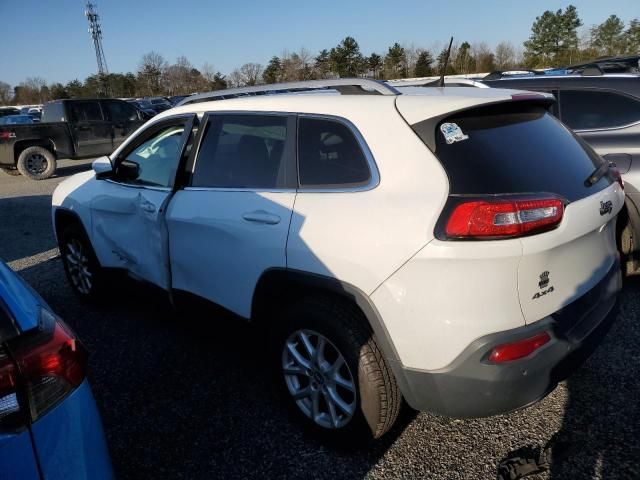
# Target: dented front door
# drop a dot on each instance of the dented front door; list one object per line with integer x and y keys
{"x": 129, "y": 231}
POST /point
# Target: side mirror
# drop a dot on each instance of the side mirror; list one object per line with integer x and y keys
{"x": 102, "y": 167}
{"x": 128, "y": 171}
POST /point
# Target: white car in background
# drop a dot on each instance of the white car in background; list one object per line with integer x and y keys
{"x": 443, "y": 247}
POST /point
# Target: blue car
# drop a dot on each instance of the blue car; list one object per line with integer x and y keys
{"x": 49, "y": 423}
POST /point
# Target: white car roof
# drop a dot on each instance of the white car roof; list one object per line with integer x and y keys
{"x": 416, "y": 102}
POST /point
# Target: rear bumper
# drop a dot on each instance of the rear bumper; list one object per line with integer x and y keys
{"x": 473, "y": 387}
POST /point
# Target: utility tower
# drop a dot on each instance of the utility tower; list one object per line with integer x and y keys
{"x": 96, "y": 33}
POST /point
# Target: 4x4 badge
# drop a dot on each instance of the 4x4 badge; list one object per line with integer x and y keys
{"x": 543, "y": 283}
{"x": 544, "y": 280}
{"x": 606, "y": 207}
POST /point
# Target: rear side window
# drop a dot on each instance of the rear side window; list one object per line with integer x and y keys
{"x": 592, "y": 109}
{"x": 512, "y": 148}
{"x": 329, "y": 155}
{"x": 244, "y": 151}
{"x": 120, "y": 112}
{"x": 85, "y": 111}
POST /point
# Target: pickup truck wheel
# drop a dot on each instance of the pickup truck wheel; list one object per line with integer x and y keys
{"x": 10, "y": 171}
{"x": 332, "y": 374}
{"x": 36, "y": 163}
{"x": 81, "y": 265}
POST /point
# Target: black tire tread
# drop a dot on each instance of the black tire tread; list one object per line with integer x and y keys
{"x": 51, "y": 159}
{"x": 371, "y": 359}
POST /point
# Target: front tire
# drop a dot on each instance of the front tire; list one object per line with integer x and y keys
{"x": 332, "y": 374}
{"x": 81, "y": 265}
{"x": 36, "y": 163}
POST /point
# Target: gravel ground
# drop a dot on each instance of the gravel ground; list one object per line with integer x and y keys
{"x": 186, "y": 395}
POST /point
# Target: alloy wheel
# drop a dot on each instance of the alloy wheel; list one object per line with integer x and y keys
{"x": 36, "y": 163}
{"x": 318, "y": 378}
{"x": 78, "y": 266}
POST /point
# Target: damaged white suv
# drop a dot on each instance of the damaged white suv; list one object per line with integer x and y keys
{"x": 454, "y": 248}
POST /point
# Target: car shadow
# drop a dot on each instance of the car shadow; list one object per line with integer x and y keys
{"x": 189, "y": 393}
{"x": 34, "y": 236}
{"x": 600, "y": 433}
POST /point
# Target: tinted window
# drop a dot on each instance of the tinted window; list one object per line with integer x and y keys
{"x": 155, "y": 160}
{"x": 513, "y": 148}
{"x": 85, "y": 111}
{"x": 120, "y": 112}
{"x": 242, "y": 151}
{"x": 589, "y": 109}
{"x": 329, "y": 154}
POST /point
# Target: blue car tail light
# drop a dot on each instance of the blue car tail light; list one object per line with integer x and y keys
{"x": 38, "y": 370}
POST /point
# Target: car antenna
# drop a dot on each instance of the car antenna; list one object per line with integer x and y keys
{"x": 446, "y": 63}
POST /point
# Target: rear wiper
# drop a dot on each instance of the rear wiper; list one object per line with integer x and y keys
{"x": 597, "y": 174}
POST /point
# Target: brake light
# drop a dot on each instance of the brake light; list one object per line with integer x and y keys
{"x": 504, "y": 217}
{"x": 7, "y": 135}
{"x": 519, "y": 349}
{"x": 45, "y": 368}
{"x": 615, "y": 174}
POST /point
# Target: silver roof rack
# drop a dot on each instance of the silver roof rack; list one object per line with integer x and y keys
{"x": 346, "y": 86}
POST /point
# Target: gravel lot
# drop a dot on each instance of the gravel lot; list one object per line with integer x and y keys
{"x": 186, "y": 395}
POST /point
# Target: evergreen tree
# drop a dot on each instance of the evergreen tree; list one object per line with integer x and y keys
{"x": 273, "y": 72}
{"x": 424, "y": 64}
{"x": 609, "y": 37}
{"x": 375, "y": 64}
{"x": 347, "y": 59}
{"x": 395, "y": 62}
{"x": 553, "y": 36}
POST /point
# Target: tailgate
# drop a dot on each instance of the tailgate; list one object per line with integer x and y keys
{"x": 560, "y": 266}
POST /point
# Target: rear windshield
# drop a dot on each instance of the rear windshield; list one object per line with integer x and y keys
{"x": 512, "y": 148}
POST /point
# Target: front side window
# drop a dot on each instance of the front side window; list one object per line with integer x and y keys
{"x": 85, "y": 111}
{"x": 243, "y": 151}
{"x": 593, "y": 109}
{"x": 154, "y": 161}
{"x": 329, "y": 155}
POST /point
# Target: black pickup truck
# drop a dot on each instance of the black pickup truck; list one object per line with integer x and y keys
{"x": 69, "y": 129}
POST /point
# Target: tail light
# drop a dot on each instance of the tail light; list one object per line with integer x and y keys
{"x": 40, "y": 371}
{"x": 519, "y": 349}
{"x": 5, "y": 135}
{"x": 503, "y": 217}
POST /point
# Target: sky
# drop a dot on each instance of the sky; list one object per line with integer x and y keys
{"x": 49, "y": 38}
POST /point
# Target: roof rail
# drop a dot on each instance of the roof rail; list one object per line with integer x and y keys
{"x": 498, "y": 74}
{"x": 346, "y": 86}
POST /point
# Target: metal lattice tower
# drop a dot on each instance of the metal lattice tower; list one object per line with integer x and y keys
{"x": 96, "y": 33}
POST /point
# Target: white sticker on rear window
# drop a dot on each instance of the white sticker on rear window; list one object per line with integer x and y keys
{"x": 452, "y": 133}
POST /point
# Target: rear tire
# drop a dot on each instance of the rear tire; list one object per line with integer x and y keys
{"x": 36, "y": 163}
{"x": 84, "y": 273}
{"x": 366, "y": 399}
{"x": 10, "y": 171}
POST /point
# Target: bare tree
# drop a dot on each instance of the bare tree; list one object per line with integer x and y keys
{"x": 250, "y": 73}
{"x": 5, "y": 93}
{"x": 485, "y": 60}
{"x": 150, "y": 70}
{"x": 505, "y": 56}
{"x": 235, "y": 79}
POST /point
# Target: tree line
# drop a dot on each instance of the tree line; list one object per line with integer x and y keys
{"x": 555, "y": 40}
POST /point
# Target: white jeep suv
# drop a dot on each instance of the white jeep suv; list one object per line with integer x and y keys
{"x": 454, "y": 248}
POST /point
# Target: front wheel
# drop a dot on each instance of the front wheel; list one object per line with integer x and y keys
{"x": 36, "y": 163}
{"x": 81, "y": 265}
{"x": 332, "y": 374}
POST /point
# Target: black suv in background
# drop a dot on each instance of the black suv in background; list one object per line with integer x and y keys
{"x": 69, "y": 129}
{"x": 604, "y": 110}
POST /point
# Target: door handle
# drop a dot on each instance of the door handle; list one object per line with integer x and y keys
{"x": 260, "y": 216}
{"x": 148, "y": 207}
